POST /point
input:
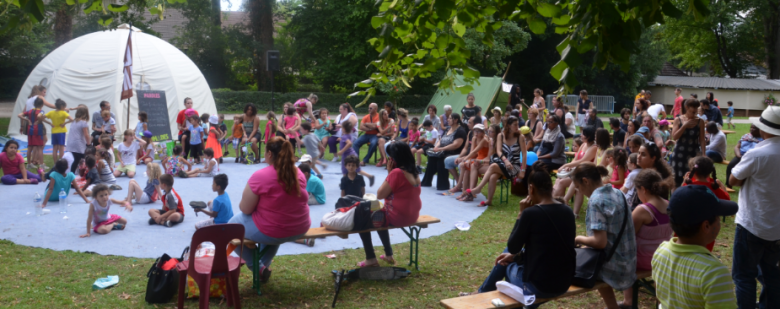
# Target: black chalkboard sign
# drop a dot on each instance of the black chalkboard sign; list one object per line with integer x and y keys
{"x": 156, "y": 107}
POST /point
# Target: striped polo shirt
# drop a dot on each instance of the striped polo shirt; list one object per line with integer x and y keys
{"x": 689, "y": 276}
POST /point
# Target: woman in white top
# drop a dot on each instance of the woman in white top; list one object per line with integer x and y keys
{"x": 346, "y": 113}
{"x": 78, "y": 137}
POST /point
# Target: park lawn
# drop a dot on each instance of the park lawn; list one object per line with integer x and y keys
{"x": 450, "y": 263}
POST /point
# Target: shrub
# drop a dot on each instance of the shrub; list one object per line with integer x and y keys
{"x": 235, "y": 100}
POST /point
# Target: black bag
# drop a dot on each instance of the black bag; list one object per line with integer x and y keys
{"x": 366, "y": 219}
{"x": 332, "y": 130}
{"x": 162, "y": 284}
{"x": 348, "y": 200}
{"x": 590, "y": 260}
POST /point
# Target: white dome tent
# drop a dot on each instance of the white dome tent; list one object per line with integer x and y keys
{"x": 88, "y": 70}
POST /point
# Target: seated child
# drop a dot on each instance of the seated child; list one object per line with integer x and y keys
{"x": 151, "y": 192}
{"x": 109, "y": 125}
{"x": 314, "y": 185}
{"x": 61, "y": 180}
{"x": 312, "y": 144}
{"x": 172, "y": 211}
{"x": 99, "y": 220}
{"x": 12, "y": 163}
{"x": 220, "y": 209}
{"x": 619, "y": 168}
{"x": 174, "y": 164}
{"x": 127, "y": 151}
{"x": 414, "y": 133}
{"x": 210, "y": 168}
{"x": 91, "y": 178}
{"x": 147, "y": 155}
{"x": 347, "y": 150}
{"x": 238, "y": 134}
{"x": 426, "y": 141}
{"x": 107, "y": 144}
{"x": 351, "y": 184}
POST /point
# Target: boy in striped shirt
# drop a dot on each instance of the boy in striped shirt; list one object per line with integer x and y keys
{"x": 687, "y": 275}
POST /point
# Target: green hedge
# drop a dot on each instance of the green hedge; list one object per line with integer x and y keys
{"x": 235, "y": 100}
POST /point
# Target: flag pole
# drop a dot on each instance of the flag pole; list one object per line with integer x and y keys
{"x": 127, "y": 122}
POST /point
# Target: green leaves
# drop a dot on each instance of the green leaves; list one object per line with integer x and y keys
{"x": 459, "y": 29}
{"x": 116, "y": 8}
{"x": 537, "y": 25}
{"x": 548, "y": 9}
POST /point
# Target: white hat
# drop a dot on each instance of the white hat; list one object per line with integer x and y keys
{"x": 497, "y": 109}
{"x": 214, "y": 119}
{"x": 769, "y": 121}
{"x": 305, "y": 158}
{"x": 479, "y": 126}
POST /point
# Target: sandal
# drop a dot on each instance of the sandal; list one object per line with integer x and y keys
{"x": 379, "y": 164}
{"x": 483, "y": 204}
{"x": 466, "y": 194}
{"x": 363, "y": 264}
{"x": 389, "y": 259}
{"x": 118, "y": 226}
{"x": 468, "y": 198}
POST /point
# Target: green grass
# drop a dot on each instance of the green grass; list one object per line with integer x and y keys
{"x": 450, "y": 263}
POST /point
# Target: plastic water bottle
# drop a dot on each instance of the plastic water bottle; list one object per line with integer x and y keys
{"x": 37, "y": 203}
{"x": 63, "y": 201}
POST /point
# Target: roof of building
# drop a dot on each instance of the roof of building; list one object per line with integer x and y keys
{"x": 174, "y": 19}
{"x": 670, "y": 70}
{"x": 716, "y": 83}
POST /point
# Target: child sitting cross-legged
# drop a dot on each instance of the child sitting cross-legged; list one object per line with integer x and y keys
{"x": 352, "y": 183}
{"x": 220, "y": 209}
{"x": 61, "y": 180}
{"x": 99, "y": 220}
{"x": 314, "y": 185}
{"x": 151, "y": 192}
{"x": 175, "y": 164}
{"x": 426, "y": 141}
{"x": 172, "y": 211}
{"x": 211, "y": 166}
{"x": 127, "y": 152}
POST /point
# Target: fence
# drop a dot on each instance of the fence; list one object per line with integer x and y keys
{"x": 603, "y": 103}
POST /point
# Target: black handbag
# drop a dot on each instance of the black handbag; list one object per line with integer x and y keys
{"x": 162, "y": 284}
{"x": 348, "y": 200}
{"x": 495, "y": 159}
{"x": 590, "y": 260}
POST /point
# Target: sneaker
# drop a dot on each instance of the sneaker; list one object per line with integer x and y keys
{"x": 151, "y": 221}
{"x": 371, "y": 181}
{"x": 169, "y": 223}
{"x": 118, "y": 227}
{"x": 309, "y": 242}
{"x": 265, "y": 274}
{"x": 33, "y": 181}
{"x": 115, "y": 187}
{"x": 236, "y": 159}
{"x": 335, "y": 159}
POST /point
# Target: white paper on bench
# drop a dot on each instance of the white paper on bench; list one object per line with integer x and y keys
{"x": 515, "y": 292}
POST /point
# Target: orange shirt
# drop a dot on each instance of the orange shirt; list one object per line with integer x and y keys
{"x": 369, "y": 119}
{"x": 238, "y": 130}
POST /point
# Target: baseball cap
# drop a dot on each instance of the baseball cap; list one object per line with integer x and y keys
{"x": 305, "y": 158}
{"x": 695, "y": 203}
{"x": 214, "y": 119}
{"x": 497, "y": 109}
{"x": 643, "y": 130}
{"x": 663, "y": 122}
{"x": 525, "y": 130}
{"x": 479, "y": 126}
{"x": 148, "y": 134}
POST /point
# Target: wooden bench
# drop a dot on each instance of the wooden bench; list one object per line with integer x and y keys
{"x": 321, "y": 232}
{"x": 729, "y": 190}
{"x": 483, "y": 300}
{"x": 727, "y": 132}
{"x": 723, "y": 162}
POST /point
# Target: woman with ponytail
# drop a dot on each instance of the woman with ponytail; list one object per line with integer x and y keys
{"x": 703, "y": 173}
{"x": 274, "y": 205}
{"x": 651, "y": 222}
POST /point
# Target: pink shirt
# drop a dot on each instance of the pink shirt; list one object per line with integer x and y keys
{"x": 414, "y": 136}
{"x": 289, "y": 122}
{"x": 278, "y": 214}
{"x": 11, "y": 166}
{"x": 403, "y": 205}
{"x": 268, "y": 127}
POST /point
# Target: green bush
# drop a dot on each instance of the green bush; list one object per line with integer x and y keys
{"x": 235, "y": 100}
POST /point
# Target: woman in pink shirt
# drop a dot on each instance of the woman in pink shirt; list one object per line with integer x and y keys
{"x": 401, "y": 192}
{"x": 274, "y": 205}
{"x": 12, "y": 163}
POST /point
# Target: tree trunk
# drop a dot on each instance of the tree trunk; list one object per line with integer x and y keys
{"x": 216, "y": 13}
{"x": 723, "y": 54}
{"x": 261, "y": 17}
{"x": 772, "y": 40}
{"x": 63, "y": 25}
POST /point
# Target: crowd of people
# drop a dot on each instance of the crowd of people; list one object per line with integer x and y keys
{"x": 643, "y": 182}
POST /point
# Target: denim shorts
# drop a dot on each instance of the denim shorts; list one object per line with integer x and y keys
{"x": 449, "y": 162}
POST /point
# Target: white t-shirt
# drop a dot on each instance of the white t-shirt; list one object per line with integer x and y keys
{"x": 68, "y": 156}
{"x": 30, "y": 103}
{"x": 572, "y": 128}
{"x": 339, "y": 121}
{"x": 654, "y": 110}
{"x": 77, "y": 142}
{"x": 629, "y": 183}
{"x": 759, "y": 211}
{"x": 107, "y": 125}
{"x": 127, "y": 153}
{"x": 431, "y": 135}
{"x": 151, "y": 151}
{"x": 214, "y": 171}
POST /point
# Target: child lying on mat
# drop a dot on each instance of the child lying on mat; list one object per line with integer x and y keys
{"x": 220, "y": 209}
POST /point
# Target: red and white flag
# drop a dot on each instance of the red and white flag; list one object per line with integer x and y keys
{"x": 127, "y": 84}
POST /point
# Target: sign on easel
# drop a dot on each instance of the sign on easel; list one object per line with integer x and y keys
{"x": 155, "y": 105}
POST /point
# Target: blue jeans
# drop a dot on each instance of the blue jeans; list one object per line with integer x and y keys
{"x": 714, "y": 155}
{"x": 756, "y": 258}
{"x": 362, "y": 140}
{"x": 513, "y": 273}
{"x": 449, "y": 162}
{"x": 251, "y": 232}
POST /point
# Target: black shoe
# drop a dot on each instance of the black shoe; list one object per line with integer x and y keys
{"x": 169, "y": 223}
{"x": 236, "y": 159}
{"x": 151, "y": 221}
{"x": 371, "y": 181}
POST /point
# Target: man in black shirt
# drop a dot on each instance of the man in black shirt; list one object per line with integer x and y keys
{"x": 618, "y": 135}
{"x": 593, "y": 119}
{"x": 713, "y": 113}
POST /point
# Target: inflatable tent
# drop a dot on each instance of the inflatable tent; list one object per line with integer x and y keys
{"x": 484, "y": 95}
{"x": 88, "y": 70}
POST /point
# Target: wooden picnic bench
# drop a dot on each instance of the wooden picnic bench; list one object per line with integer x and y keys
{"x": 483, "y": 300}
{"x": 320, "y": 232}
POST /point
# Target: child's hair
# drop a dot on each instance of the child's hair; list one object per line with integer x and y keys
{"x": 346, "y": 127}
{"x": 193, "y": 117}
{"x": 8, "y": 143}
{"x": 590, "y": 171}
{"x": 730, "y": 103}
{"x": 129, "y": 132}
{"x": 222, "y": 181}
{"x": 38, "y": 103}
{"x": 539, "y": 177}
{"x": 651, "y": 181}
{"x": 415, "y": 121}
{"x": 221, "y": 116}
{"x": 632, "y": 158}
{"x": 103, "y": 154}
{"x": 143, "y": 117}
{"x": 610, "y": 153}
{"x": 240, "y": 118}
{"x": 578, "y": 141}
{"x": 82, "y": 113}
{"x": 105, "y": 114}
{"x": 603, "y": 139}
{"x": 166, "y": 179}
{"x": 351, "y": 159}
{"x": 427, "y": 123}
{"x": 496, "y": 129}
{"x": 304, "y": 168}
{"x": 625, "y": 111}
{"x": 692, "y": 103}
{"x": 290, "y": 109}
{"x": 402, "y": 112}
{"x": 105, "y": 141}
{"x": 702, "y": 167}
{"x": 306, "y": 126}
{"x": 90, "y": 161}
{"x": 147, "y": 140}
{"x": 205, "y": 117}
{"x": 614, "y": 122}
{"x": 177, "y": 150}
{"x": 620, "y": 157}
{"x": 208, "y": 152}
{"x": 711, "y": 127}
{"x": 153, "y": 171}
{"x": 323, "y": 110}
{"x": 635, "y": 140}
{"x": 98, "y": 189}
{"x": 61, "y": 166}
{"x": 60, "y": 104}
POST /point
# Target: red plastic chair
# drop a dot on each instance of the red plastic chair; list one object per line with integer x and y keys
{"x": 220, "y": 265}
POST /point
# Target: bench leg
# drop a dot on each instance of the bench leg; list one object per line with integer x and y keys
{"x": 503, "y": 196}
{"x": 641, "y": 283}
{"x": 257, "y": 254}
{"x": 414, "y": 245}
